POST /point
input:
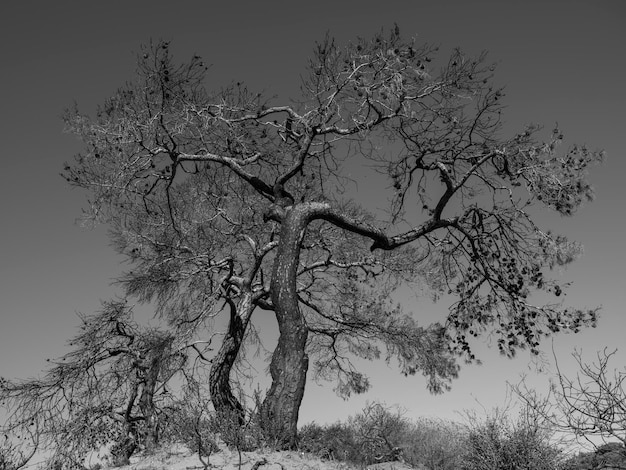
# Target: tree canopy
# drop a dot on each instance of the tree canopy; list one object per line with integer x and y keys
{"x": 228, "y": 197}
{"x": 230, "y": 202}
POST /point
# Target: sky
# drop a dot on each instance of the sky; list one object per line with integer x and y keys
{"x": 561, "y": 61}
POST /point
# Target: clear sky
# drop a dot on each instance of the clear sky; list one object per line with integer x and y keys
{"x": 560, "y": 60}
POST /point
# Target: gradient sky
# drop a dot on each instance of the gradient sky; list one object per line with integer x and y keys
{"x": 560, "y": 60}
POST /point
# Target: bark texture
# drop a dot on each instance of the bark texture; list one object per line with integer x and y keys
{"x": 222, "y": 397}
{"x": 290, "y": 362}
{"x": 146, "y": 402}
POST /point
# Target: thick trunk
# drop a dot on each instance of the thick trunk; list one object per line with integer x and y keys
{"x": 290, "y": 362}
{"x": 224, "y": 401}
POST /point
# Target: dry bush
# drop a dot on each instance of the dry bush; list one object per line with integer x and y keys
{"x": 376, "y": 434}
{"x": 498, "y": 443}
{"x": 435, "y": 444}
{"x": 329, "y": 442}
{"x": 381, "y": 433}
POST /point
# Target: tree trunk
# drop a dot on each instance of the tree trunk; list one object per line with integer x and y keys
{"x": 122, "y": 450}
{"x": 224, "y": 401}
{"x": 146, "y": 400}
{"x": 279, "y": 412}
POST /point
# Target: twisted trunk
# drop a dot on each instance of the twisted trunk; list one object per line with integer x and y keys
{"x": 224, "y": 401}
{"x": 290, "y": 362}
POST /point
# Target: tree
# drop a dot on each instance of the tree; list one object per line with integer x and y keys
{"x": 590, "y": 405}
{"x": 109, "y": 389}
{"x": 226, "y": 199}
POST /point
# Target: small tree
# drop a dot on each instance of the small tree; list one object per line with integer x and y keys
{"x": 227, "y": 199}
{"x": 103, "y": 392}
{"x": 590, "y": 405}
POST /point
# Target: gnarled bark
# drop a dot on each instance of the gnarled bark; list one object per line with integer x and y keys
{"x": 290, "y": 362}
{"x": 222, "y": 397}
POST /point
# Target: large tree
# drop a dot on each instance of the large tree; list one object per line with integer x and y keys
{"x": 231, "y": 201}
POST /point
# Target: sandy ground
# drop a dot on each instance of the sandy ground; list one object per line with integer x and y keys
{"x": 181, "y": 458}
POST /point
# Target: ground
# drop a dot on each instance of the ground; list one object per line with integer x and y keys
{"x": 181, "y": 458}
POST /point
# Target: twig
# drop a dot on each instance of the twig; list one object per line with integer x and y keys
{"x": 257, "y": 464}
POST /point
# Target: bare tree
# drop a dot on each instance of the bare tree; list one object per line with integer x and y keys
{"x": 107, "y": 390}
{"x": 225, "y": 199}
{"x": 588, "y": 406}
